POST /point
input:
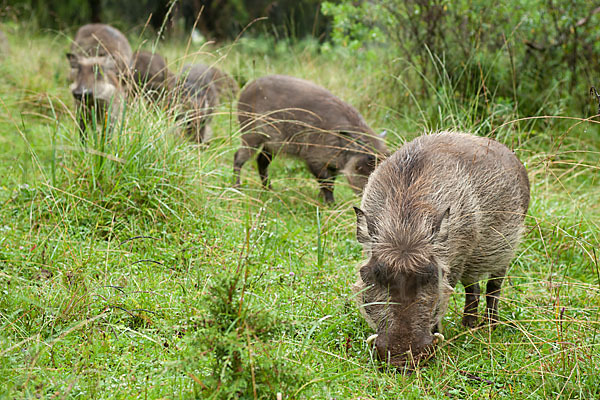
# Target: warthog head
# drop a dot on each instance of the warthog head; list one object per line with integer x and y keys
{"x": 403, "y": 288}
{"x": 358, "y": 169}
{"x": 95, "y": 80}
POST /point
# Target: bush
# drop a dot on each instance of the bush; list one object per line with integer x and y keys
{"x": 484, "y": 51}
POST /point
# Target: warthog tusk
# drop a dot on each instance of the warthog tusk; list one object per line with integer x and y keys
{"x": 371, "y": 339}
{"x": 438, "y": 338}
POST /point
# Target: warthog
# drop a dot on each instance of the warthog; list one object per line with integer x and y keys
{"x": 282, "y": 114}
{"x": 198, "y": 96}
{"x": 445, "y": 208}
{"x": 99, "y": 60}
{"x": 151, "y": 74}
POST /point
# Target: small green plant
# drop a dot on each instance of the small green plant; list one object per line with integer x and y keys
{"x": 240, "y": 341}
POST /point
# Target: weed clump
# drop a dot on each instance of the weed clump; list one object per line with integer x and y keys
{"x": 238, "y": 344}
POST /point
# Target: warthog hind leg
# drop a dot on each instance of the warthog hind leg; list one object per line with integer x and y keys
{"x": 492, "y": 297}
{"x": 472, "y": 292}
{"x": 263, "y": 160}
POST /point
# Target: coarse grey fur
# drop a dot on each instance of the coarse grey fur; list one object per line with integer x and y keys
{"x": 283, "y": 114}
{"x": 152, "y": 75}
{"x": 198, "y": 96}
{"x": 99, "y": 60}
{"x": 445, "y": 208}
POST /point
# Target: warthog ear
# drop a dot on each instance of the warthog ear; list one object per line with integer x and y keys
{"x": 437, "y": 225}
{"x": 73, "y": 60}
{"x": 363, "y": 233}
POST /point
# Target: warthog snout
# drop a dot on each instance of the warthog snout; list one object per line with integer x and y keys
{"x": 408, "y": 358}
{"x": 83, "y": 95}
{"x": 390, "y": 351}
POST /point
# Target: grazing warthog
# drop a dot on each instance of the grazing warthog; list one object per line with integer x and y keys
{"x": 445, "y": 208}
{"x": 198, "y": 96}
{"x": 99, "y": 60}
{"x": 282, "y": 114}
{"x": 151, "y": 74}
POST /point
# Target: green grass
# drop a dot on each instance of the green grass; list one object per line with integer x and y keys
{"x": 132, "y": 268}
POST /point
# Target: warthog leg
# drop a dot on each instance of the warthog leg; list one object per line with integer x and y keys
{"x": 492, "y": 297}
{"x": 472, "y": 292}
{"x": 326, "y": 179}
{"x": 240, "y": 158}
{"x": 263, "y": 160}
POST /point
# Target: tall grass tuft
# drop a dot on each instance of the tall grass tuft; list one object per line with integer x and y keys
{"x": 140, "y": 167}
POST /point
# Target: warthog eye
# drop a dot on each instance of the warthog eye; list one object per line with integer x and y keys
{"x": 428, "y": 272}
{"x": 426, "y": 275}
{"x": 376, "y": 273}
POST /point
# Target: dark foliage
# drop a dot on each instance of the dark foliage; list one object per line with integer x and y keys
{"x": 216, "y": 19}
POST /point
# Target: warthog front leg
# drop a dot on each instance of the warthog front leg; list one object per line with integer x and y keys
{"x": 326, "y": 179}
{"x": 240, "y": 158}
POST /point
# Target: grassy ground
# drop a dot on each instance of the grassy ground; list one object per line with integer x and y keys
{"x": 131, "y": 268}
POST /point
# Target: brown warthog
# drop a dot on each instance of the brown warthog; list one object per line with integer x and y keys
{"x": 445, "y": 208}
{"x": 99, "y": 60}
{"x": 198, "y": 95}
{"x": 282, "y": 114}
{"x": 151, "y": 74}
